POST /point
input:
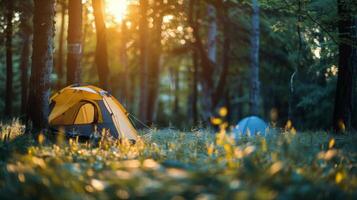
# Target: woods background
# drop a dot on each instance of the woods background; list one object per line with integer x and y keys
{"x": 174, "y": 63}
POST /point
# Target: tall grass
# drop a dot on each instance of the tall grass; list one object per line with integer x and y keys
{"x": 170, "y": 164}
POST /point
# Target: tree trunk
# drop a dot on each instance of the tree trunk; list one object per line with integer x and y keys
{"x": 240, "y": 105}
{"x": 85, "y": 25}
{"x": 193, "y": 111}
{"x": 154, "y": 63}
{"x": 228, "y": 105}
{"x": 143, "y": 28}
{"x": 101, "y": 55}
{"x": 209, "y": 58}
{"x": 124, "y": 64}
{"x": 254, "y": 56}
{"x": 59, "y": 63}
{"x": 212, "y": 34}
{"x": 26, "y": 36}
{"x": 213, "y": 91}
{"x": 194, "y": 88}
{"x": 74, "y": 42}
{"x": 347, "y": 62}
{"x": 354, "y": 60}
{"x": 42, "y": 62}
{"x": 24, "y": 66}
{"x": 176, "y": 107}
{"x": 132, "y": 88}
{"x": 9, "y": 70}
{"x": 206, "y": 70}
{"x": 220, "y": 90}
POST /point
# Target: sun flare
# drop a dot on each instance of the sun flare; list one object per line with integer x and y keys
{"x": 117, "y": 9}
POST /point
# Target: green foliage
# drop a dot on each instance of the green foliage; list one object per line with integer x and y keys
{"x": 172, "y": 164}
{"x": 282, "y": 52}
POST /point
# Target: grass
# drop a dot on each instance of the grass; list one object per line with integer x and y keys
{"x": 169, "y": 164}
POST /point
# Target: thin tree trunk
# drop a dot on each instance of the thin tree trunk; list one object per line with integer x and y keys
{"x": 42, "y": 62}
{"x": 124, "y": 64}
{"x": 240, "y": 93}
{"x": 212, "y": 33}
{"x": 194, "y": 88}
{"x": 101, "y": 55}
{"x": 354, "y": 60}
{"x": 24, "y": 66}
{"x": 154, "y": 63}
{"x": 220, "y": 90}
{"x": 206, "y": 71}
{"x": 209, "y": 66}
{"x": 347, "y": 57}
{"x": 9, "y": 69}
{"x": 298, "y": 66}
{"x": 74, "y": 41}
{"x": 177, "y": 90}
{"x": 143, "y": 28}
{"x": 193, "y": 112}
{"x": 59, "y": 63}
{"x": 254, "y": 56}
{"x": 228, "y": 105}
{"x": 132, "y": 88}
{"x": 26, "y": 36}
{"x": 85, "y": 26}
{"x": 208, "y": 83}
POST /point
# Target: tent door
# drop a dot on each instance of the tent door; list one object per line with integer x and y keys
{"x": 87, "y": 114}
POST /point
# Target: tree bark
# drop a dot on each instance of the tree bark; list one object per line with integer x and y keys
{"x": 154, "y": 63}
{"x": 124, "y": 64}
{"x": 194, "y": 88}
{"x": 193, "y": 111}
{"x": 354, "y": 60}
{"x": 213, "y": 91}
{"x": 59, "y": 63}
{"x": 74, "y": 42}
{"x": 206, "y": 70}
{"x": 24, "y": 66}
{"x": 254, "y": 94}
{"x": 176, "y": 106}
{"x": 26, "y": 37}
{"x": 347, "y": 62}
{"x": 209, "y": 58}
{"x": 220, "y": 90}
{"x": 42, "y": 62}
{"x": 85, "y": 26}
{"x": 212, "y": 33}
{"x": 240, "y": 94}
{"x": 101, "y": 55}
{"x": 143, "y": 28}
{"x": 9, "y": 64}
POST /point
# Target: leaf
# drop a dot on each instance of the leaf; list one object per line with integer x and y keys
{"x": 216, "y": 121}
{"x": 331, "y": 144}
{"x": 339, "y": 177}
{"x": 223, "y": 111}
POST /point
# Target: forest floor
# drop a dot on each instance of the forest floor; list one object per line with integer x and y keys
{"x": 170, "y": 164}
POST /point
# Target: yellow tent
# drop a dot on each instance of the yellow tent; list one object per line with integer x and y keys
{"x": 81, "y": 110}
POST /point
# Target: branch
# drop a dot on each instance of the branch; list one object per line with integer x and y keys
{"x": 316, "y": 22}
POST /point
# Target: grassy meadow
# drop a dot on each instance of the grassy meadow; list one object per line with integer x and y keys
{"x": 170, "y": 164}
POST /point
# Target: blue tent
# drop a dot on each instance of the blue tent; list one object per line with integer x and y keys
{"x": 251, "y": 125}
